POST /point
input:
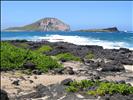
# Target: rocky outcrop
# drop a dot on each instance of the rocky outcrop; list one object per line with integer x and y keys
{"x": 45, "y": 24}
{"x": 112, "y": 29}
{"x": 58, "y": 92}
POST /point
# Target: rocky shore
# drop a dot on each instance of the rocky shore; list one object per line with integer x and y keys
{"x": 93, "y": 63}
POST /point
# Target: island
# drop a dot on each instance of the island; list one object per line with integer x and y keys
{"x": 45, "y": 24}
{"x": 111, "y": 29}
{"x": 53, "y": 24}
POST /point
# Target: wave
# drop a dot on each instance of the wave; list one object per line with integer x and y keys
{"x": 78, "y": 40}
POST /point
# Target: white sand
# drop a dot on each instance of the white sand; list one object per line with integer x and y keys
{"x": 25, "y": 85}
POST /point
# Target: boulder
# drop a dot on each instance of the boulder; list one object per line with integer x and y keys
{"x": 68, "y": 70}
{"x": 37, "y": 72}
{"x": 29, "y": 65}
{"x": 4, "y": 95}
{"x": 112, "y": 66}
{"x": 16, "y": 82}
{"x": 66, "y": 81}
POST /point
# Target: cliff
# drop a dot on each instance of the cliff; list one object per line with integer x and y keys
{"x": 112, "y": 29}
{"x": 45, "y": 24}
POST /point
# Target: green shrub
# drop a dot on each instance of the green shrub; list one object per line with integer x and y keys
{"x": 67, "y": 57}
{"x": 76, "y": 86}
{"x": 71, "y": 89}
{"x": 90, "y": 55}
{"x": 112, "y": 88}
{"x": 23, "y": 45}
{"x": 44, "y": 48}
{"x": 101, "y": 88}
{"x": 43, "y": 62}
{"x": 13, "y": 58}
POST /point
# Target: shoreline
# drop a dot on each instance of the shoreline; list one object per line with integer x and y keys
{"x": 58, "y": 40}
{"x": 85, "y": 62}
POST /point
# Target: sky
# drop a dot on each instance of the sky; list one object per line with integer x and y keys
{"x": 78, "y": 14}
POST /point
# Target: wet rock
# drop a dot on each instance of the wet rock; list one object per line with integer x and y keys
{"x": 66, "y": 81}
{"x": 4, "y": 95}
{"x": 16, "y": 82}
{"x": 29, "y": 65}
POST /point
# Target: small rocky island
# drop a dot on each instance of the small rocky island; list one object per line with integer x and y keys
{"x": 64, "y": 71}
{"x": 112, "y": 29}
{"x": 45, "y": 24}
{"x": 54, "y": 24}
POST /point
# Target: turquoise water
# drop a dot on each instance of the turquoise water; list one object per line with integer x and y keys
{"x": 105, "y": 39}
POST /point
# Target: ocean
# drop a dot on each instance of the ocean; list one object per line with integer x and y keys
{"x": 108, "y": 40}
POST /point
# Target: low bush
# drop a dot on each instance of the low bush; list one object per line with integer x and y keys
{"x": 90, "y": 55}
{"x": 22, "y": 45}
{"x": 83, "y": 84}
{"x": 13, "y": 58}
{"x": 44, "y": 48}
{"x": 43, "y": 62}
{"x": 67, "y": 57}
{"x": 99, "y": 88}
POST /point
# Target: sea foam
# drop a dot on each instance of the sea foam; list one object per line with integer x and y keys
{"x": 80, "y": 40}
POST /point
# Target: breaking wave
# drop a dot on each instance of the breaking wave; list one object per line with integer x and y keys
{"x": 80, "y": 40}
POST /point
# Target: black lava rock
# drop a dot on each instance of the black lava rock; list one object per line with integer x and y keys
{"x": 66, "y": 81}
{"x": 29, "y": 65}
{"x": 3, "y": 95}
{"x": 37, "y": 72}
{"x": 16, "y": 82}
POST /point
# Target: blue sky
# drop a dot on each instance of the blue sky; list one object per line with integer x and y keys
{"x": 78, "y": 14}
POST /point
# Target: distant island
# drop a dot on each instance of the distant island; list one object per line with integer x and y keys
{"x": 112, "y": 29}
{"x": 54, "y": 24}
{"x": 45, "y": 24}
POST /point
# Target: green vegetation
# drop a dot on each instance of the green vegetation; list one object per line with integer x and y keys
{"x": 13, "y": 58}
{"x": 43, "y": 62}
{"x": 77, "y": 86}
{"x": 44, "y": 48}
{"x": 90, "y": 55}
{"x": 23, "y": 45}
{"x": 26, "y": 28}
{"x": 67, "y": 57}
{"x": 99, "y": 88}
